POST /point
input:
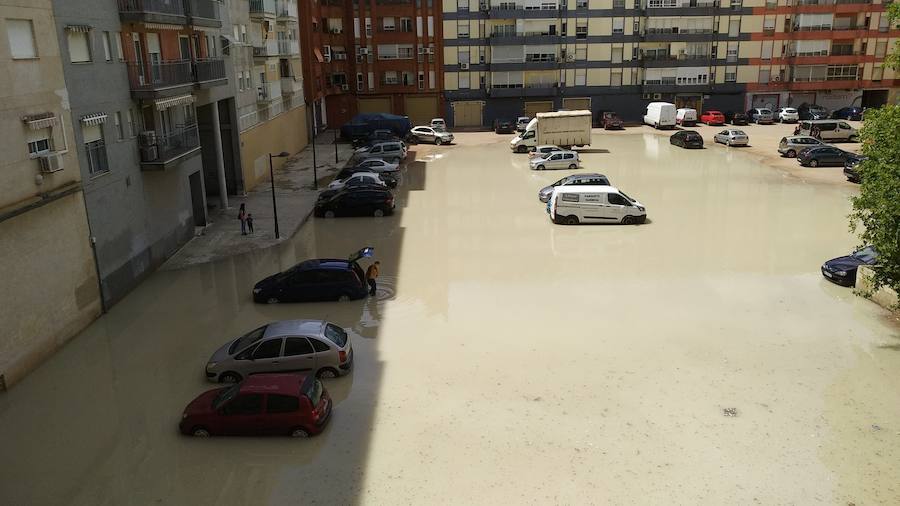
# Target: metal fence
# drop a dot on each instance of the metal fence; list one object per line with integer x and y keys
{"x": 209, "y": 69}
{"x": 183, "y": 139}
{"x": 160, "y": 75}
{"x": 175, "y": 7}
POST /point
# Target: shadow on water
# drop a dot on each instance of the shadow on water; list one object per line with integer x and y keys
{"x": 101, "y": 416}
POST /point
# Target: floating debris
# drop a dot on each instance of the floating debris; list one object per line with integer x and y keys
{"x": 732, "y": 412}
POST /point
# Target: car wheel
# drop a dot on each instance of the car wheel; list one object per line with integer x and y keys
{"x": 378, "y": 213}
{"x": 329, "y": 214}
{"x": 343, "y": 298}
{"x": 327, "y": 373}
{"x": 522, "y": 149}
{"x": 540, "y": 167}
{"x": 200, "y": 432}
{"x": 573, "y": 167}
{"x": 272, "y": 300}
{"x": 229, "y": 377}
{"x": 571, "y": 220}
{"x": 813, "y": 163}
{"x": 437, "y": 141}
{"x": 791, "y": 153}
{"x": 854, "y": 138}
{"x": 299, "y": 432}
{"x": 628, "y": 220}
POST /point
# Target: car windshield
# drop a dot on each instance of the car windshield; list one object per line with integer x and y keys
{"x": 737, "y": 132}
{"x": 867, "y": 254}
{"x": 247, "y": 339}
{"x": 336, "y": 335}
{"x": 561, "y": 181}
{"x": 627, "y": 197}
{"x": 312, "y": 390}
{"x": 225, "y": 395}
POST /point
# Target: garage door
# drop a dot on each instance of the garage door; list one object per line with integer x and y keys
{"x": 577, "y": 104}
{"x": 466, "y": 114}
{"x": 532, "y": 108}
{"x": 421, "y": 109}
{"x": 801, "y": 98}
{"x": 380, "y": 104}
{"x": 765, "y": 101}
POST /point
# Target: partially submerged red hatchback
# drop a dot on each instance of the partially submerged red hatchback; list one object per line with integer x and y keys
{"x": 261, "y": 405}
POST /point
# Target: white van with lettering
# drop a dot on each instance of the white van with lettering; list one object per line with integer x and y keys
{"x": 571, "y": 205}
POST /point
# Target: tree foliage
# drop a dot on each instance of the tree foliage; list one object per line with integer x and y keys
{"x": 876, "y": 211}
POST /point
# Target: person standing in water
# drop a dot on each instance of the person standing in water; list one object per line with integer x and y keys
{"x": 371, "y": 275}
{"x": 242, "y": 215}
{"x": 249, "y": 221}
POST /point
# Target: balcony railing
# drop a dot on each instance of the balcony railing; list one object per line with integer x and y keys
{"x": 286, "y": 10}
{"x": 204, "y": 10}
{"x": 268, "y": 47}
{"x": 169, "y": 7}
{"x": 831, "y": 2}
{"x": 158, "y": 76}
{"x": 262, "y": 7}
{"x": 167, "y": 147}
{"x": 676, "y": 31}
{"x": 266, "y": 92}
{"x": 289, "y": 47}
{"x": 209, "y": 69}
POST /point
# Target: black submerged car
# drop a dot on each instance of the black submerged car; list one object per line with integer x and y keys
{"x": 736, "y": 118}
{"x": 851, "y": 168}
{"x": 811, "y": 111}
{"x": 842, "y": 270}
{"x": 823, "y": 156}
{"x": 504, "y": 126}
{"x": 848, "y": 113}
{"x": 374, "y": 200}
{"x": 321, "y": 279}
{"x": 687, "y": 139}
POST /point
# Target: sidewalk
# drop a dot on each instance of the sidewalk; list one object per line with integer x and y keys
{"x": 294, "y": 194}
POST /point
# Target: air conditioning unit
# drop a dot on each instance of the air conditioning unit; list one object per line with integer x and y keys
{"x": 570, "y": 57}
{"x": 345, "y": 87}
{"x": 363, "y": 50}
{"x": 429, "y": 50}
{"x": 147, "y": 138}
{"x": 776, "y": 78}
{"x": 327, "y": 58}
{"x": 336, "y": 31}
{"x": 51, "y": 163}
{"x": 657, "y": 96}
{"x": 340, "y": 56}
{"x": 463, "y": 66}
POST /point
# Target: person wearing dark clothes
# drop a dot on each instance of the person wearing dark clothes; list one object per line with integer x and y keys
{"x": 250, "y": 223}
{"x": 371, "y": 275}
{"x": 242, "y": 215}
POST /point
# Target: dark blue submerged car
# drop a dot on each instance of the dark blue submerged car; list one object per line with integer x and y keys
{"x": 321, "y": 279}
{"x": 842, "y": 270}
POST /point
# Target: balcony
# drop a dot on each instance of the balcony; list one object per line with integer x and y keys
{"x": 204, "y": 13}
{"x": 160, "y": 79}
{"x": 262, "y": 9}
{"x": 512, "y": 11}
{"x": 676, "y": 34}
{"x": 153, "y": 11}
{"x": 291, "y": 85}
{"x": 289, "y": 48}
{"x": 671, "y": 60}
{"x": 210, "y": 72}
{"x": 286, "y": 11}
{"x": 265, "y": 48}
{"x": 163, "y": 151}
{"x": 267, "y": 92}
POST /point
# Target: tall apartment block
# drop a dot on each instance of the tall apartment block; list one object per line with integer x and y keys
{"x": 155, "y": 125}
{"x": 50, "y": 283}
{"x": 372, "y": 56}
{"x": 265, "y": 50}
{"x": 513, "y": 57}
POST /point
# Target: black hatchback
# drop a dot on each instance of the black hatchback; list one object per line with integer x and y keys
{"x": 687, "y": 139}
{"x": 736, "y": 118}
{"x": 504, "y": 126}
{"x": 848, "y": 113}
{"x": 322, "y": 279}
{"x": 372, "y": 200}
{"x": 823, "y": 156}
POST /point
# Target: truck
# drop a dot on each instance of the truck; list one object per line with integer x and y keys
{"x": 561, "y": 128}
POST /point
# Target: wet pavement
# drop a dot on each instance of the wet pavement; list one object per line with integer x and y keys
{"x": 697, "y": 359}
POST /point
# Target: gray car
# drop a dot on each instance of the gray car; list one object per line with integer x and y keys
{"x": 792, "y": 145}
{"x": 432, "y": 134}
{"x": 388, "y": 150}
{"x": 591, "y": 179}
{"x": 731, "y": 137}
{"x": 562, "y": 159}
{"x": 309, "y": 346}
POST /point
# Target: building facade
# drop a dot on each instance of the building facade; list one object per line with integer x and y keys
{"x": 372, "y": 56}
{"x": 503, "y": 59}
{"x": 272, "y": 113}
{"x": 155, "y": 126}
{"x": 51, "y": 287}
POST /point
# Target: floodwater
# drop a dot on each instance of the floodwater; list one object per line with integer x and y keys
{"x": 507, "y": 359}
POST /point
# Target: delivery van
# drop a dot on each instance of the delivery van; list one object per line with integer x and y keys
{"x": 571, "y": 205}
{"x": 561, "y": 128}
{"x": 686, "y": 117}
{"x": 660, "y": 115}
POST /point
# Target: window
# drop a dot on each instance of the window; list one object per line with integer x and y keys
{"x": 107, "y": 49}
{"x": 368, "y": 27}
{"x": 421, "y": 80}
{"x": 766, "y": 53}
{"x": 616, "y": 55}
{"x": 282, "y": 403}
{"x": 615, "y": 78}
{"x": 41, "y": 145}
{"x": 581, "y": 52}
{"x": 95, "y": 149}
{"x": 246, "y": 404}
{"x": 734, "y": 27}
{"x": 359, "y": 81}
{"x": 132, "y": 126}
{"x": 616, "y": 199}
{"x": 464, "y": 81}
{"x": 877, "y": 73}
{"x": 431, "y": 82}
{"x": 764, "y": 75}
{"x": 736, "y": 5}
{"x": 463, "y": 55}
{"x": 581, "y": 30}
{"x": 390, "y": 77}
{"x": 406, "y": 25}
{"x": 581, "y": 4}
{"x": 462, "y": 29}
{"x": 119, "y": 54}
{"x": 20, "y": 33}
{"x": 319, "y": 346}
{"x": 430, "y": 26}
{"x": 769, "y": 25}
{"x": 79, "y": 46}
{"x": 842, "y": 72}
{"x": 120, "y": 128}
{"x": 618, "y": 4}
{"x": 730, "y": 77}
{"x": 580, "y": 77}
{"x": 371, "y": 80}
{"x": 387, "y": 24}
{"x": 407, "y": 78}
{"x": 297, "y": 346}
{"x": 570, "y": 197}
{"x": 618, "y": 26}
{"x": 268, "y": 349}
{"x": 880, "y": 48}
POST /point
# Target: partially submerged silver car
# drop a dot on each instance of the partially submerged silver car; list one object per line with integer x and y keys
{"x": 592, "y": 179}
{"x": 308, "y": 346}
{"x": 732, "y": 137}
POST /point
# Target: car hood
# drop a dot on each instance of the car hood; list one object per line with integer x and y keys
{"x": 844, "y": 263}
{"x": 222, "y": 353}
{"x": 203, "y": 404}
{"x": 267, "y": 282}
{"x": 547, "y": 190}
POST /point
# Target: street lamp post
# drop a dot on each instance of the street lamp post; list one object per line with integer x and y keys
{"x": 283, "y": 154}
{"x": 315, "y": 174}
{"x": 335, "y": 147}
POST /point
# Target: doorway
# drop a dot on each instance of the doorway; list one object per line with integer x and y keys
{"x": 184, "y": 45}
{"x": 198, "y": 202}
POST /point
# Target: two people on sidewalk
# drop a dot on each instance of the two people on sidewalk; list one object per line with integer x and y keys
{"x": 246, "y": 220}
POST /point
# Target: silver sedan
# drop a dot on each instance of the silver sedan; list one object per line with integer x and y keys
{"x": 732, "y": 137}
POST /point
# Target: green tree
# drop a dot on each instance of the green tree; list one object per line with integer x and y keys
{"x": 876, "y": 210}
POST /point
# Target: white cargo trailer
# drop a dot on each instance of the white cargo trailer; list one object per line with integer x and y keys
{"x": 562, "y": 128}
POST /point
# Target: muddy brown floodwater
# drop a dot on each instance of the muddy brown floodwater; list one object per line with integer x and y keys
{"x": 507, "y": 359}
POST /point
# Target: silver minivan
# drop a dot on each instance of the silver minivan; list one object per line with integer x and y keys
{"x": 309, "y": 346}
{"x": 829, "y": 130}
{"x": 556, "y": 160}
{"x": 388, "y": 150}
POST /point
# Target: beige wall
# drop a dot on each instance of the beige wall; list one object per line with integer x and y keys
{"x": 286, "y": 132}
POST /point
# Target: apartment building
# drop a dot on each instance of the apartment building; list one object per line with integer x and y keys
{"x": 50, "y": 283}
{"x": 155, "y": 125}
{"x": 512, "y": 57}
{"x": 372, "y": 56}
{"x": 265, "y": 50}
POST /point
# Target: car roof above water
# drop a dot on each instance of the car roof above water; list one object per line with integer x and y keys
{"x": 587, "y": 189}
{"x": 274, "y": 384}
{"x": 322, "y": 263}
{"x": 295, "y": 328}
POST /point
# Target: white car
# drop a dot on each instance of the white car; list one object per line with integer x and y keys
{"x": 731, "y": 137}
{"x": 358, "y": 178}
{"x": 556, "y": 160}
{"x": 378, "y": 165}
{"x": 787, "y": 115}
{"x": 432, "y": 134}
{"x": 438, "y": 123}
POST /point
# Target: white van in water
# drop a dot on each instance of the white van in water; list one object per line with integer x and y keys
{"x": 660, "y": 115}
{"x": 571, "y": 205}
{"x": 686, "y": 117}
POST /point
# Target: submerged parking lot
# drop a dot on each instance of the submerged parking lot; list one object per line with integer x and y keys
{"x": 699, "y": 358}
